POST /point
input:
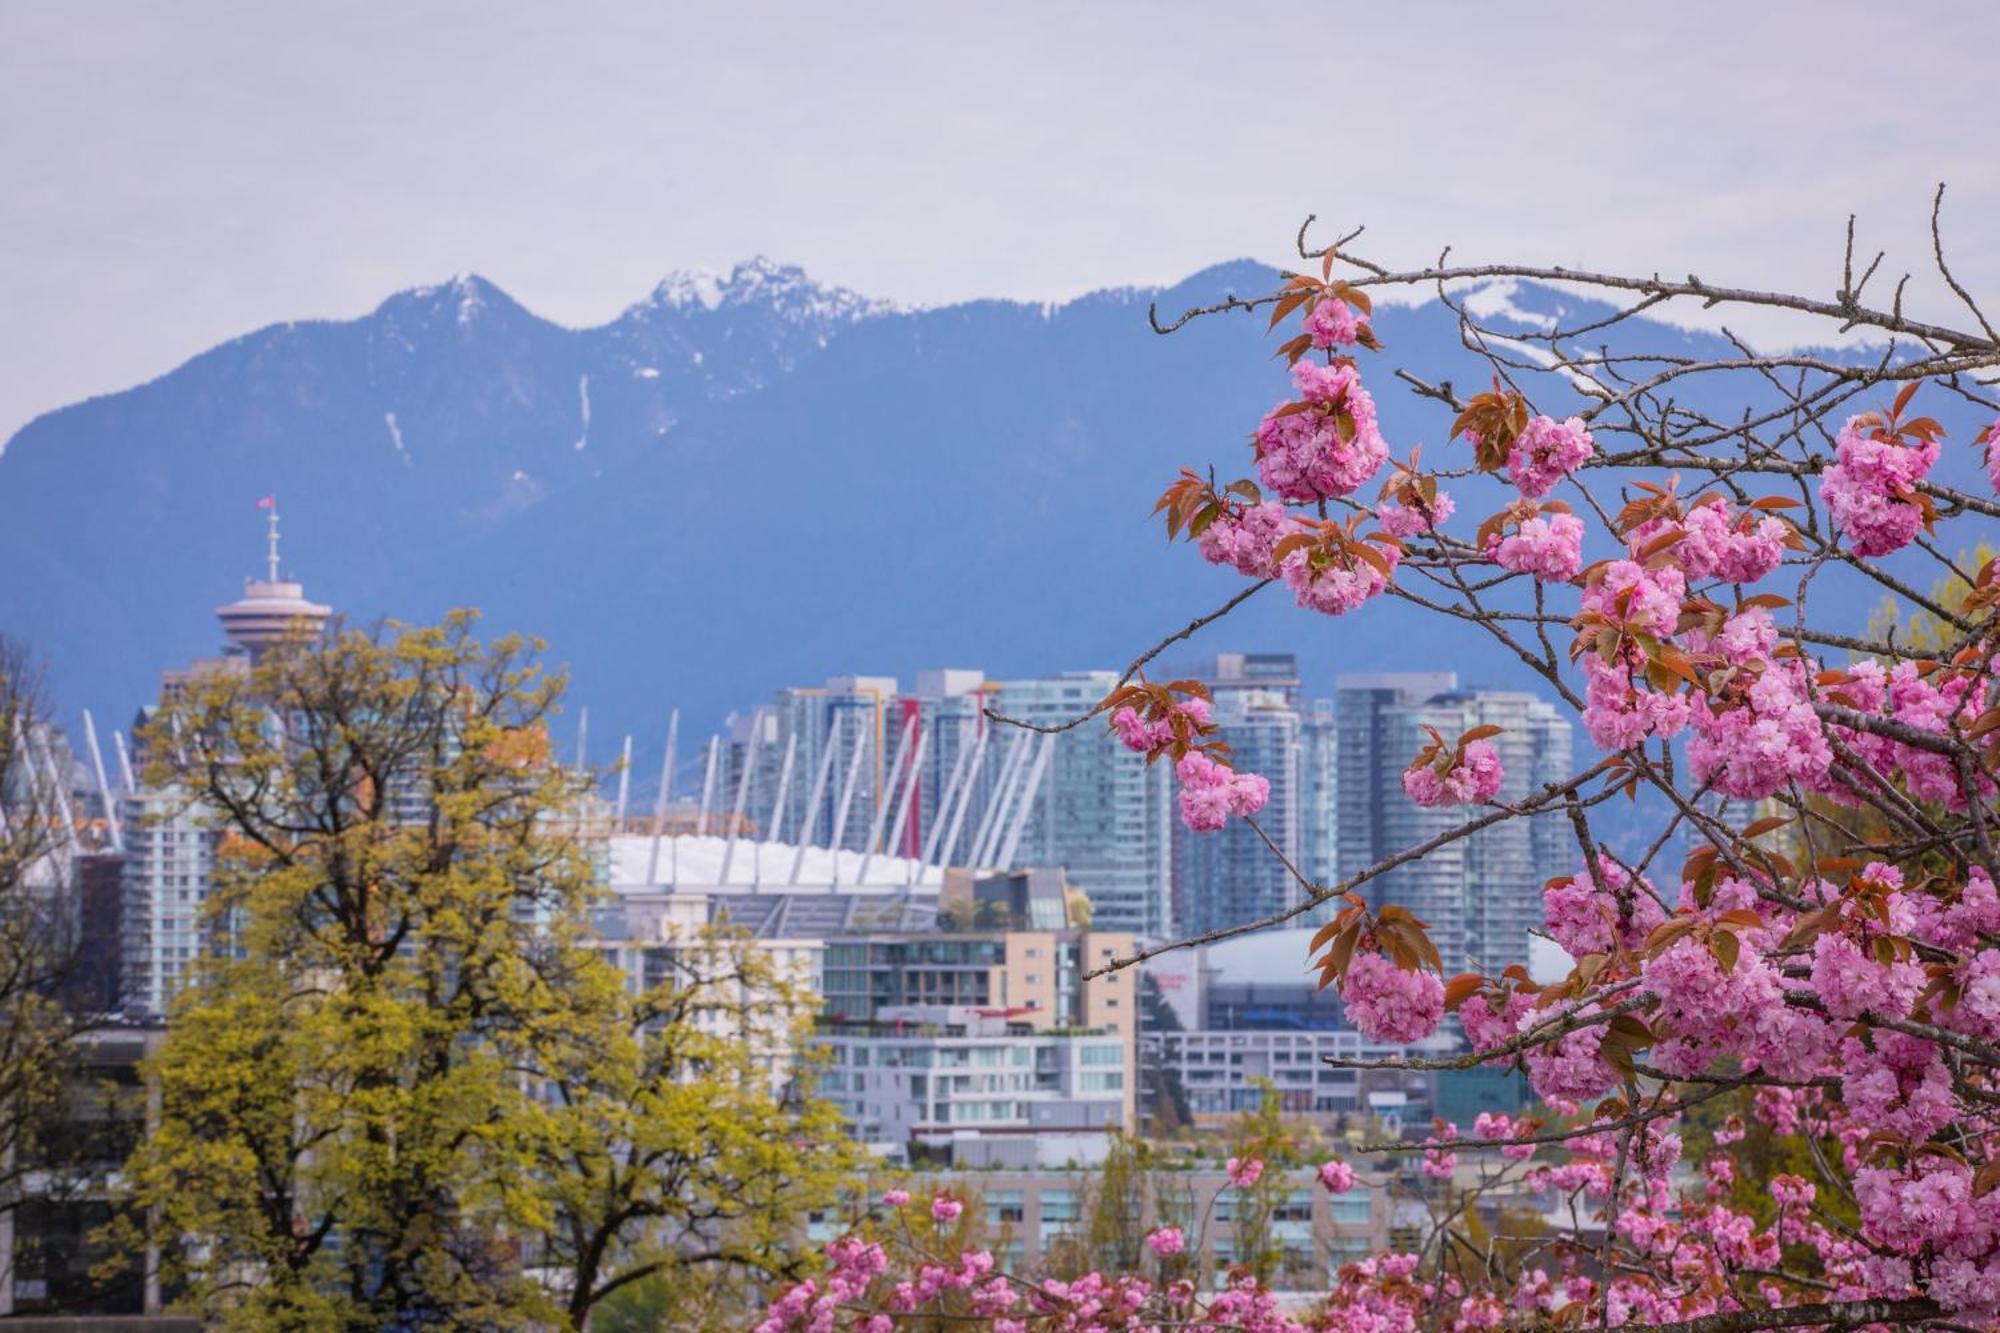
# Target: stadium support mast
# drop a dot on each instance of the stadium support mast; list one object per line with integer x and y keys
{"x": 994, "y": 818}
{"x": 950, "y": 844}
{"x": 846, "y": 805}
{"x": 1005, "y": 859}
{"x": 811, "y": 821}
{"x": 707, "y": 787}
{"x": 103, "y": 783}
{"x": 908, "y": 798}
{"x": 624, "y": 783}
{"x": 886, "y": 798}
{"x": 666, "y": 794}
{"x": 124, "y": 761}
{"x": 950, "y": 794}
{"x": 741, "y": 805}
{"x": 39, "y": 746}
{"x": 774, "y": 827}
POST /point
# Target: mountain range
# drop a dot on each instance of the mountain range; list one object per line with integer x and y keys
{"x": 742, "y": 482}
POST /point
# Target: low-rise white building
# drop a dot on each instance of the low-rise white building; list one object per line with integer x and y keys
{"x": 976, "y": 1086}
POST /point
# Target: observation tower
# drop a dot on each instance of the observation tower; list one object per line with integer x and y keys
{"x": 271, "y": 607}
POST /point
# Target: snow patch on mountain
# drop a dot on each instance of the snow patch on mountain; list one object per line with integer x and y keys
{"x": 786, "y": 289}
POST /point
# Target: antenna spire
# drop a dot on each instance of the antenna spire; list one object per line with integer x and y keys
{"x": 270, "y": 503}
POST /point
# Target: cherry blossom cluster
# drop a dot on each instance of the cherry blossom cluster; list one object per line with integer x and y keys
{"x": 1333, "y": 323}
{"x": 1175, "y": 722}
{"x": 1400, "y": 519}
{"x": 1629, "y": 604}
{"x": 1211, "y": 792}
{"x": 1244, "y": 537}
{"x": 1709, "y": 543}
{"x": 1466, "y": 775}
{"x": 1603, "y": 912}
{"x": 1153, "y": 737}
{"x": 1391, "y": 1003}
{"x": 1546, "y": 452}
{"x": 1336, "y": 577}
{"x": 1411, "y": 502}
{"x": 1325, "y": 443}
{"x": 1931, "y": 704}
{"x": 1871, "y": 489}
{"x": 1547, "y": 544}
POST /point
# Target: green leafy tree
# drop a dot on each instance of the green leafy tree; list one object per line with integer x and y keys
{"x": 664, "y": 1154}
{"x": 406, "y": 1092}
{"x": 37, "y": 929}
{"x": 1263, "y": 1136}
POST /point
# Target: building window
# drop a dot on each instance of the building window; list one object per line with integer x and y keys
{"x": 1004, "y": 1206}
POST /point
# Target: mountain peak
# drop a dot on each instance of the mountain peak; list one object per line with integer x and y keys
{"x": 760, "y": 281}
{"x": 465, "y": 300}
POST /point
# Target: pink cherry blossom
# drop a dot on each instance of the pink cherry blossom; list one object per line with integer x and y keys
{"x": 1546, "y": 452}
{"x": 1439, "y": 1162}
{"x": 1762, "y": 739}
{"x": 1409, "y": 520}
{"x": 1648, "y": 601}
{"x": 1496, "y": 1125}
{"x": 1148, "y": 737}
{"x": 1852, "y": 983}
{"x": 1329, "y": 448}
{"x": 1571, "y": 1066}
{"x": 1474, "y": 778}
{"x": 1487, "y": 1029}
{"x": 1714, "y": 545}
{"x": 1549, "y": 546}
{"x": 1585, "y": 918}
{"x": 1332, "y": 324}
{"x": 1389, "y": 1003}
{"x": 1339, "y": 588}
{"x": 1870, "y": 489}
{"x": 1211, "y": 792}
{"x": 1621, "y": 710}
{"x": 1243, "y": 537}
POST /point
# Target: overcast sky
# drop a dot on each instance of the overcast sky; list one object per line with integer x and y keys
{"x": 174, "y": 174}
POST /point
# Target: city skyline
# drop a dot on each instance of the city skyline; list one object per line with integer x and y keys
{"x": 914, "y": 782}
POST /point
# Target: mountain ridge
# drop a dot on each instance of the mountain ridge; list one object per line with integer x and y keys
{"x": 744, "y": 484}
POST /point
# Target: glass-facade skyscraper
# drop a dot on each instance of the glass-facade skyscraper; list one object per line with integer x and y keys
{"x": 1230, "y": 876}
{"x": 1100, "y": 811}
{"x": 1480, "y": 894}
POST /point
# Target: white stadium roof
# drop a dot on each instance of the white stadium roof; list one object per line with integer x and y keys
{"x": 690, "y": 862}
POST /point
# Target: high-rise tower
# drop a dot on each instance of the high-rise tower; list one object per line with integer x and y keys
{"x": 169, "y": 866}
